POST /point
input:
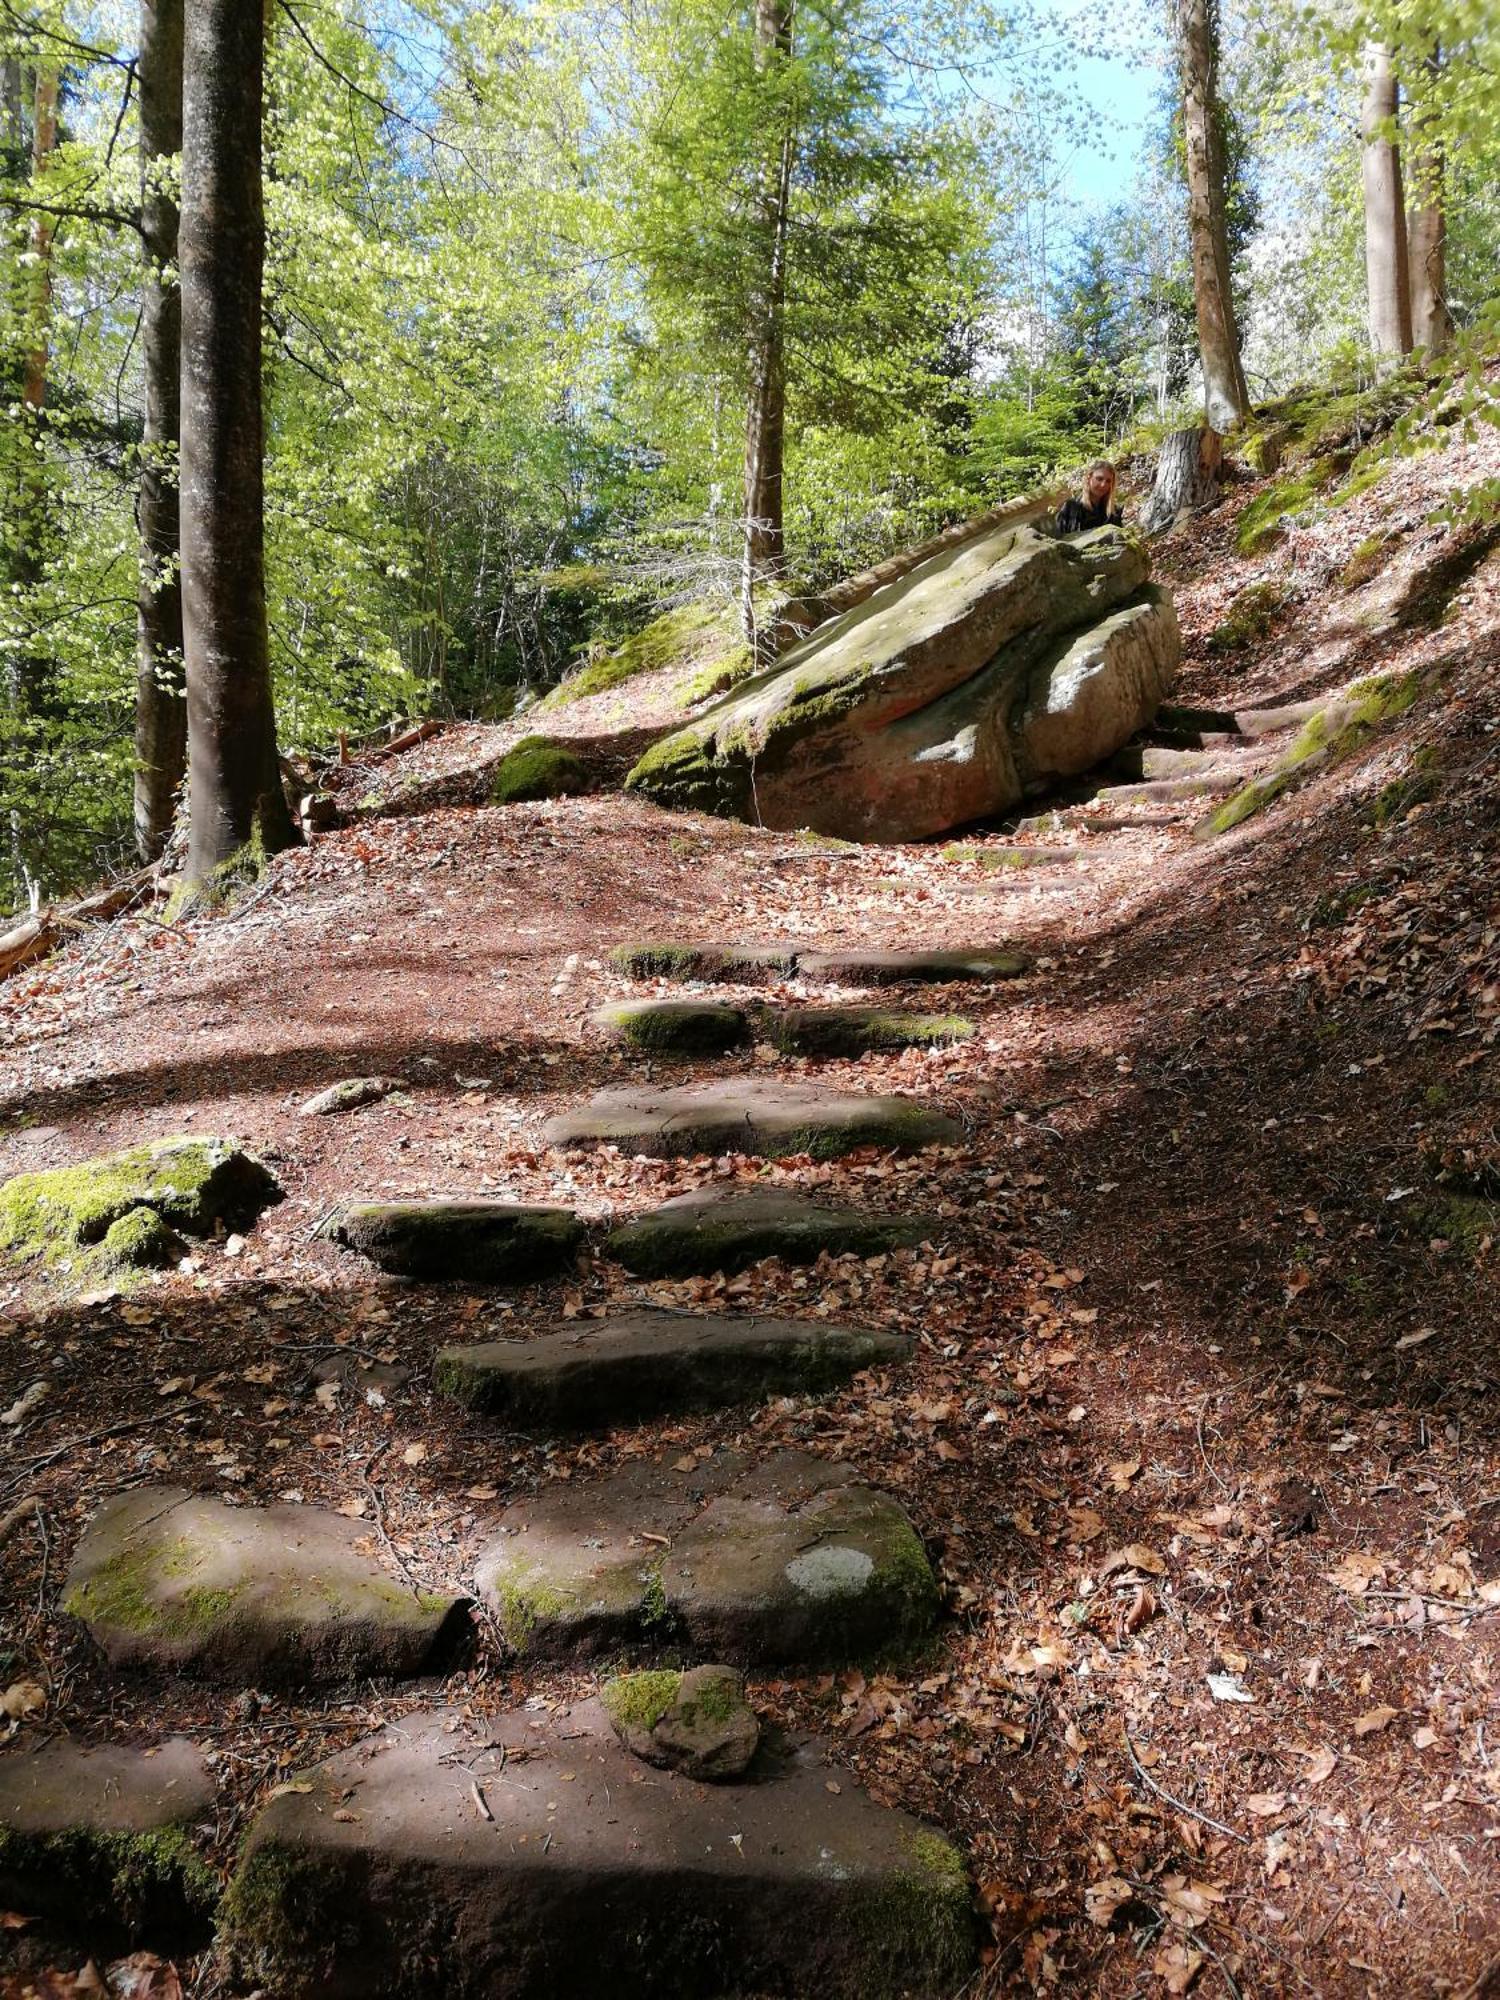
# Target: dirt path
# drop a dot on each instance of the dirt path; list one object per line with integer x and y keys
{"x": 1202, "y": 1427}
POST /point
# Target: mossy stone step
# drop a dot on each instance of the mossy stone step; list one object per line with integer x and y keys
{"x": 741, "y": 963}
{"x": 917, "y": 968}
{"x": 728, "y": 1230}
{"x": 857, "y": 1031}
{"x": 495, "y": 1242}
{"x": 594, "y": 1373}
{"x": 694, "y": 1720}
{"x": 528, "y": 1855}
{"x": 675, "y": 1027}
{"x": 179, "y": 1581}
{"x": 98, "y": 1839}
{"x": 771, "y": 1121}
{"x": 790, "y": 1560}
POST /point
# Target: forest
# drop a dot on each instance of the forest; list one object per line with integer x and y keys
{"x": 749, "y": 995}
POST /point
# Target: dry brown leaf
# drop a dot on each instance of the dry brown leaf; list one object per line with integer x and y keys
{"x": 1134, "y": 1555}
{"x": 22, "y": 1698}
{"x": 1102, "y": 1899}
{"x": 1355, "y": 1572}
{"x": 1320, "y": 1763}
{"x": 1374, "y": 1719}
{"x": 1265, "y": 1805}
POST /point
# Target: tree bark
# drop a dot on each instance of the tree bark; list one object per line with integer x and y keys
{"x": 765, "y": 424}
{"x": 1427, "y": 226}
{"x": 160, "y": 703}
{"x": 1187, "y": 478}
{"x": 235, "y": 782}
{"x": 1225, "y": 396}
{"x": 1385, "y": 210}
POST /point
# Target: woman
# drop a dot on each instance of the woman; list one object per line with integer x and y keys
{"x": 1093, "y": 509}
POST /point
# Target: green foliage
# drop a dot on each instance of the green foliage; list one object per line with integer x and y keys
{"x": 1252, "y": 615}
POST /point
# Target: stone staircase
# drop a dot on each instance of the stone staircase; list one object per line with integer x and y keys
{"x": 530, "y": 1853}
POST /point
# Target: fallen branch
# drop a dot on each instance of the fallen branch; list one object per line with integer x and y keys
{"x": 1178, "y": 1805}
{"x": 23, "y": 1510}
{"x": 378, "y": 752}
{"x": 44, "y": 933}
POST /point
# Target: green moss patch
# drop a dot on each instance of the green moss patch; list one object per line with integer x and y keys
{"x": 1260, "y": 524}
{"x": 1417, "y": 785}
{"x": 1366, "y": 562}
{"x": 122, "y": 1881}
{"x": 854, "y": 1031}
{"x": 675, "y": 1027}
{"x": 1251, "y": 617}
{"x": 539, "y": 767}
{"x": 639, "y": 1701}
{"x": 675, "y": 639}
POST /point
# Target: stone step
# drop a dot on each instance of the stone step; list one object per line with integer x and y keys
{"x": 590, "y": 1374}
{"x": 1151, "y": 760}
{"x": 728, "y": 1230}
{"x": 168, "y": 1579}
{"x": 530, "y": 1857}
{"x": 676, "y": 1027}
{"x": 498, "y": 1242}
{"x": 1162, "y": 791}
{"x": 789, "y": 1560}
{"x": 858, "y": 967}
{"x": 743, "y": 964}
{"x": 1178, "y": 721}
{"x": 99, "y": 1840}
{"x": 856, "y": 1031}
{"x": 772, "y": 1121}
{"x": 993, "y": 855}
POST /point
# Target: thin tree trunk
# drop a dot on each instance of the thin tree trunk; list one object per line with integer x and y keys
{"x": 1187, "y": 478}
{"x": 235, "y": 781}
{"x": 1427, "y": 226}
{"x": 1385, "y": 210}
{"x": 765, "y": 424}
{"x": 1225, "y": 396}
{"x": 160, "y": 696}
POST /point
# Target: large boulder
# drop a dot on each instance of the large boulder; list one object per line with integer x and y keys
{"x": 975, "y": 681}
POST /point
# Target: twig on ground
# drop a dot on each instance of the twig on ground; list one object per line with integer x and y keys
{"x": 1178, "y": 1805}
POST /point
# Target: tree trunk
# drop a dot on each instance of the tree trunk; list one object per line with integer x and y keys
{"x": 1385, "y": 210}
{"x": 765, "y": 424}
{"x": 1187, "y": 478}
{"x": 1225, "y": 396}
{"x": 235, "y": 782}
{"x": 1427, "y": 227}
{"x": 160, "y": 704}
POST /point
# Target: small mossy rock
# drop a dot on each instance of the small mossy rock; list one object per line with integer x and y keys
{"x": 743, "y": 964}
{"x": 192, "y": 1184}
{"x": 992, "y": 855}
{"x": 539, "y": 767}
{"x": 697, "y": 1722}
{"x": 858, "y": 967}
{"x": 580, "y": 1879}
{"x": 729, "y": 1230}
{"x": 790, "y": 1560}
{"x": 141, "y": 1241}
{"x": 856, "y": 1031}
{"x": 591, "y": 1374}
{"x": 769, "y": 1121}
{"x": 989, "y": 670}
{"x": 349, "y": 1095}
{"x": 171, "y": 1580}
{"x": 99, "y": 1840}
{"x": 675, "y": 1027}
{"x": 488, "y": 1242}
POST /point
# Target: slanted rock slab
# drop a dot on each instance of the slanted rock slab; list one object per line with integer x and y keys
{"x": 349, "y": 1095}
{"x": 497, "y": 1242}
{"x": 917, "y": 968}
{"x": 594, "y": 1373}
{"x": 675, "y": 1027}
{"x": 772, "y": 1121}
{"x": 100, "y": 1837}
{"x": 168, "y": 1579}
{"x": 728, "y": 1230}
{"x": 741, "y": 963}
{"x": 793, "y": 1559}
{"x": 855, "y": 1031}
{"x": 697, "y": 1722}
{"x": 583, "y": 1874}
{"x": 190, "y": 1184}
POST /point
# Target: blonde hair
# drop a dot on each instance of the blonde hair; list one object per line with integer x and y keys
{"x": 1100, "y": 465}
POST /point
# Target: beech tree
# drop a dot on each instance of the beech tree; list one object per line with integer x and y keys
{"x": 1225, "y": 396}
{"x": 235, "y": 791}
{"x": 765, "y": 422}
{"x": 1386, "y": 276}
{"x": 160, "y": 704}
{"x": 1427, "y": 221}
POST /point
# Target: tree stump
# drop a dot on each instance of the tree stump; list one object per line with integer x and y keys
{"x": 1187, "y": 477}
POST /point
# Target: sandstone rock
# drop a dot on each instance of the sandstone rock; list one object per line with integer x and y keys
{"x": 855, "y": 1031}
{"x": 739, "y": 963}
{"x": 697, "y": 1722}
{"x": 790, "y": 1560}
{"x": 773, "y": 1121}
{"x": 349, "y": 1095}
{"x": 99, "y": 1838}
{"x": 729, "y": 1229}
{"x": 496, "y": 1242}
{"x": 528, "y": 1857}
{"x": 594, "y": 1373}
{"x": 675, "y": 1027}
{"x": 950, "y": 695}
{"x": 858, "y": 967}
{"x": 168, "y": 1579}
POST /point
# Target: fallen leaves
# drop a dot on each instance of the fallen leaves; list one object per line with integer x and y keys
{"x": 22, "y": 1698}
{"x": 1374, "y": 1720}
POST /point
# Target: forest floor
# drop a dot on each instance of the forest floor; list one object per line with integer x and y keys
{"x": 1203, "y": 1429}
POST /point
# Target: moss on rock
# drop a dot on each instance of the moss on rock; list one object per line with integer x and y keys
{"x": 675, "y": 1027}
{"x": 854, "y": 1031}
{"x": 539, "y": 767}
{"x": 141, "y": 1241}
{"x": 124, "y": 1879}
{"x": 1252, "y": 615}
{"x": 639, "y": 1701}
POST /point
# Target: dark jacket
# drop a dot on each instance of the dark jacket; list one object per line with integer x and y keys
{"x": 1074, "y": 518}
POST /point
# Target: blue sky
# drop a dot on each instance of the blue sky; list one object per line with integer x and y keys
{"x": 1118, "y": 80}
